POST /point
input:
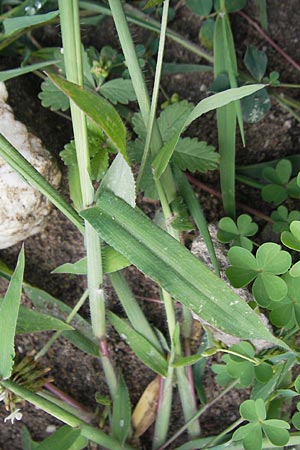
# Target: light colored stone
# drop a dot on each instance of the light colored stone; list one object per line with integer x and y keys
{"x": 23, "y": 209}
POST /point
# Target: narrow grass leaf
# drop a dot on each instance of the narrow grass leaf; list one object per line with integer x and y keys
{"x": 8, "y": 318}
{"x": 141, "y": 346}
{"x": 187, "y": 360}
{"x": 170, "y": 68}
{"x": 169, "y": 263}
{"x": 121, "y": 414}
{"x": 65, "y": 438}
{"x": 208, "y": 104}
{"x": 12, "y": 73}
{"x": 82, "y": 336}
{"x": 30, "y": 321}
{"x": 11, "y": 155}
{"x": 96, "y": 108}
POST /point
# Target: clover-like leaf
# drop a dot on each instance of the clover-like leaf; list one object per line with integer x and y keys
{"x": 292, "y": 239}
{"x": 256, "y": 62}
{"x": 237, "y": 233}
{"x": 286, "y": 313}
{"x": 281, "y": 186}
{"x": 282, "y": 218}
{"x": 270, "y": 261}
{"x": 251, "y": 434}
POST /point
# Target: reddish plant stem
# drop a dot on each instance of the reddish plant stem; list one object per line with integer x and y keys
{"x": 269, "y": 40}
{"x": 104, "y": 348}
{"x": 218, "y": 194}
{"x": 86, "y": 415}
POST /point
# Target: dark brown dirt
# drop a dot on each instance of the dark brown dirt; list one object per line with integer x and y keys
{"x": 277, "y": 135}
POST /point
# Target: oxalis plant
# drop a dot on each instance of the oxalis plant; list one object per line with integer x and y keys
{"x": 117, "y": 233}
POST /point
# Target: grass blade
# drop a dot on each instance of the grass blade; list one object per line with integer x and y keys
{"x": 12, "y": 73}
{"x": 208, "y": 104}
{"x": 144, "y": 350}
{"x": 169, "y": 263}
{"x": 8, "y": 318}
{"x": 121, "y": 414}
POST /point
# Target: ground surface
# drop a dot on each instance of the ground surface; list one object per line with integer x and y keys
{"x": 277, "y": 135}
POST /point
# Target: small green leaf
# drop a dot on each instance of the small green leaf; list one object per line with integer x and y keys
{"x": 282, "y": 219}
{"x": 97, "y": 109}
{"x": 263, "y": 372}
{"x": 144, "y": 350}
{"x": 268, "y": 287}
{"x": 295, "y": 270}
{"x": 256, "y": 62}
{"x": 256, "y": 106}
{"x": 206, "y": 33}
{"x": 65, "y": 438}
{"x": 152, "y": 3}
{"x": 193, "y": 155}
{"x": 272, "y": 259}
{"x": 296, "y": 420}
{"x": 200, "y": 7}
{"x": 9, "y": 310}
{"x": 276, "y": 431}
{"x": 118, "y": 91}
{"x": 121, "y": 413}
{"x": 27, "y": 442}
{"x": 237, "y": 233}
{"x": 297, "y": 384}
{"x": 230, "y": 5}
{"x": 187, "y": 360}
{"x": 53, "y": 98}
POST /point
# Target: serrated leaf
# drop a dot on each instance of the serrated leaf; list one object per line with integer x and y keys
{"x": 172, "y": 118}
{"x": 193, "y": 155}
{"x": 200, "y": 7}
{"x": 53, "y": 98}
{"x": 97, "y": 109}
{"x": 118, "y": 91}
{"x": 8, "y": 318}
{"x": 256, "y": 62}
{"x": 157, "y": 254}
{"x": 121, "y": 413}
{"x": 144, "y": 350}
{"x": 216, "y": 101}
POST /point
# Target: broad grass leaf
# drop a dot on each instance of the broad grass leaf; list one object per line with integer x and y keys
{"x": 9, "y": 311}
{"x": 276, "y": 431}
{"x": 144, "y": 350}
{"x": 96, "y": 108}
{"x": 169, "y": 263}
{"x": 12, "y": 73}
{"x": 65, "y": 438}
{"x": 121, "y": 413}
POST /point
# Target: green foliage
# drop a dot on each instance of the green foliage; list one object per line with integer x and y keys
{"x": 206, "y": 33}
{"x": 256, "y": 106}
{"x": 256, "y": 62}
{"x": 9, "y": 310}
{"x": 281, "y": 184}
{"x": 118, "y": 91}
{"x": 254, "y": 412}
{"x": 200, "y": 7}
{"x": 286, "y": 313}
{"x": 156, "y": 254}
{"x": 121, "y": 413}
{"x": 230, "y": 5}
{"x": 291, "y": 239}
{"x": 51, "y": 97}
{"x": 263, "y": 16}
{"x": 269, "y": 262}
{"x": 65, "y": 438}
{"x": 282, "y": 219}
{"x": 236, "y": 233}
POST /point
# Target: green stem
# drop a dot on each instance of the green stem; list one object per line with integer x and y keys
{"x": 231, "y": 427}
{"x": 58, "y": 333}
{"x": 92, "y": 433}
{"x": 70, "y": 28}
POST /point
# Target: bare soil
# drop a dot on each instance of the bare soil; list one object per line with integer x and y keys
{"x": 276, "y": 136}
